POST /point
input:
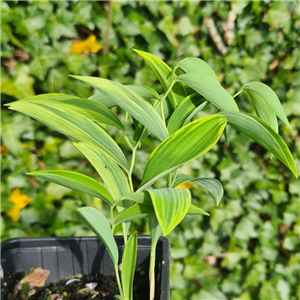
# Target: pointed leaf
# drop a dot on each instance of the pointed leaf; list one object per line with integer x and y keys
{"x": 187, "y": 143}
{"x": 141, "y": 132}
{"x": 90, "y": 109}
{"x": 209, "y": 89}
{"x": 140, "y": 197}
{"x": 263, "y": 134}
{"x": 137, "y": 211}
{"x": 131, "y": 102}
{"x": 145, "y": 92}
{"x": 194, "y": 210}
{"x": 108, "y": 170}
{"x": 128, "y": 266}
{"x": 266, "y": 103}
{"x": 194, "y": 113}
{"x": 72, "y": 124}
{"x": 77, "y": 182}
{"x": 197, "y": 65}
{"x": 103, "y": 99}
{"x": 170, "y": 205}
{"x": 164, "y": 74}
{"x": 98, "y": 223}
{"x": 213, "y": 186}
{"x": 183, "y": 110}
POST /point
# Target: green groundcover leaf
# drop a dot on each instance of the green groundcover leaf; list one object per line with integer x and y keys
{"x": 187, "y": 143}
{"x": 131, "y": 102}
{"x": 75, "y": 181}
{"x": 263, "y": 134}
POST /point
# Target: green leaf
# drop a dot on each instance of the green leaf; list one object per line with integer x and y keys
{"x": 128, "y": 266}
{"x": 77, "y": 182}
{"x": 137, "y": 211}
{"x": 210, "y": 89}
{"x": 213, "y": 186}
{"x": 183, "y": 110}
{"x": 70, "y": 123}
{"x": 131, "y": 102}
{"x": 195, "y": 210}
{"x": 141, "y": 132}
{"x": 92, "y": 110}
{"x": 107, "y": 168}
{"x": 170, "y": 206}
{"x": 187, "y": 143}
{"x": 164, "y": 74}
{"x": 266, "y": 103}
{"x": 98, "y": 223}
{"x": 138, "y": 197}
{"x": 197, "y": 65}
{"x": 103, "y": 99}
{"x": 145, "y": 92}
{"x": 263, "y": 134}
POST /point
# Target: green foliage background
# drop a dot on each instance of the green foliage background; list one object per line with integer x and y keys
{"x": 249, "y": 248}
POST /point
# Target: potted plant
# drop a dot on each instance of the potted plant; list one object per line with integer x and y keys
{"x": 171, "y": 118}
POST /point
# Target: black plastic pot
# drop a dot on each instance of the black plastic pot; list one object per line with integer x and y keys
{"x": 65, "y": 257}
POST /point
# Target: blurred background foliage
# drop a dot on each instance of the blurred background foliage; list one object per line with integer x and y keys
{"x": 249, "y": 248}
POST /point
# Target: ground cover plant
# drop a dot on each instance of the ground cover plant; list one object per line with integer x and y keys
{"x": 167, "y": 116}
{"x": 248, "y": 247}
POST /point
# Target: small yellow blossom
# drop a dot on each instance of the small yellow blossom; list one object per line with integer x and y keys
{"x": 185, "y": 185}
{"x": 4, "y": 151}
{"x": 86, "y": 46}
{"x": 20, "y": 201}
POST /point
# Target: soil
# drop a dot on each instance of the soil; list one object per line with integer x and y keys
{"x": 106, "y": 288}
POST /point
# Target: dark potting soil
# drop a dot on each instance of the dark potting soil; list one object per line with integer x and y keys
{"x": 106, "y": 288}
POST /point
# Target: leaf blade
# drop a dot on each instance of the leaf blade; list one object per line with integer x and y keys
{"x": 213, "y": 186}
{"x": 263, "y": 134}
{"x": 128, "y": 266}
{"x": 265, "y": 101}
{"x": 210, "y": 90}
{"x": 108, "y": 170}
{"x": 170, "y": 206}
{"x": 96, "y": 220}
{"x": 131, "y": 102}
{"x": 187, "y": 143}
{"x": 75, "y": 181}
{"x": 164, "y": 74}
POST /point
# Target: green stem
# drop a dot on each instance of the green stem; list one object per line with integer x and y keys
{"x": 112, "y": 215}
{"x": 168, "y": 91}
{"x": 152, "y": 270}
{"x": 131, "y": 168}
{"x": 162, "y": 112}
{"x": 237, "y": 93}
{"x": 119, "y": 282}
{"x": 174, "y": 177}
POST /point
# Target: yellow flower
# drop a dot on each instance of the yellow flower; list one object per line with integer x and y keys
{"x": 86, "y": 46}
{"x": 4, "y": 151}
{"x": 20, "y": 201}
{"x": 185, "y": 185}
